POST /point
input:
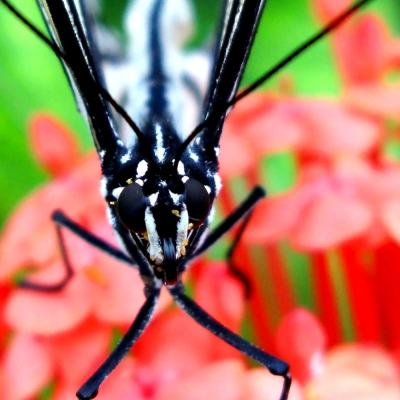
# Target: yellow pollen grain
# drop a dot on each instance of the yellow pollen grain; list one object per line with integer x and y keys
{"x": 183, "y": 250}
{"x": 145, "y": 236}
{"x": 176, "y": 213}
{"x": 95, "y": 275}
{"x": 190, "y": 226}
{"x": 112, "y": 203}
{"x": 152, "y": 258}
{"x": 129, "y": 181}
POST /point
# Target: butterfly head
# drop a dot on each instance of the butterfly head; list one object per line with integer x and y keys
{"x": 164, "y": 214}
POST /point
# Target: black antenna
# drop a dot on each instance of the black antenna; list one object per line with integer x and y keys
{"x": 118, "y": 108}
{"x": 269, "y": 74}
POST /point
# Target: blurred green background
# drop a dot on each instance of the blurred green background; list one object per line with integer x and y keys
{"x": 31, "y": 78}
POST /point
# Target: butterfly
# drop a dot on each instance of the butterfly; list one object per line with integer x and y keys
{"x": 160, "y": 179}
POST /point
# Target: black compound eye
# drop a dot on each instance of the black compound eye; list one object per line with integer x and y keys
{"x": 131, "y": 205}
{"x": 197, "y": 202}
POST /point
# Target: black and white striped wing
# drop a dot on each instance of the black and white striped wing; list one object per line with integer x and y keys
{"x": 69, "y": 25}
{"x": 236, "y": 34}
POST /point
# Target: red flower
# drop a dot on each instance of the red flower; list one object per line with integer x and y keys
{"x": 69, "y": 333}
{"x": 366, "y": 54}
{"x": 348, "y": 371}
{"x": 341, "y": 213}
{"x": 334, "y": 231}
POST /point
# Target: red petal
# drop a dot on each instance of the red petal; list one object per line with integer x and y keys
{"x": 221, "y": 380}
{"x": 261, "y": 385}
{"x": 362, "y": 50}
{"x": 273, "y": 218}
{"x": 29, "y": 238}
{"x": 391, "y": 217}
{"x": 80, "y": 352}
{"x": 329, "y": 128}
{"x": 255, "y": 106}
{"x": 119, "y": 385}
{"x": 5, "y": 291}
{"x": 53, "y": 144}
{"x": 243, "y": 158}
{"x": 332, "y": 219}
{"x": 369, "y": 359}
{"x": 329, "y": 9}
{"x": 220, "y": 294}
{"x": 357, "y": 372}
{"x": 48, "y": 314}
{"x": 277, "y": 130}
{"x": 375, "y": 99}
{"x": 27, "y": 368}
{"x": 394, "y": 53}
{"x": 122, "y": 292}
{"x": 301, "y": 342}
{"x": 168, "y": 352}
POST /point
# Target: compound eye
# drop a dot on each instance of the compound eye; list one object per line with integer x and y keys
{"x": 131, "y": 205}
{"x": 197, "y": 202}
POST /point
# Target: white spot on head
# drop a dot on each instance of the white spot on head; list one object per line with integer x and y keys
{"x": 216, "y": 150}
{"x": 159, "y": 151}
{"x": 103, "y": 186}
{"x": 218, "y": 183}
{"x": 142, "y": 168}
{"x": 116, "y": 192}
{"x": 125, "y": 158}
{"x": 181, "y": 168}
{"x": 153, "y": 198}
{"x": 185, "y": 179}
{"x": 110, "y": 217}
{"x": 175, "y": 197}
{"x": 154, "y": 249}
{"x": 208, "y": 189}
{"x": 102, "y": 153}
{"x": 139, "y": 182}
{"x": 181, "y": 233}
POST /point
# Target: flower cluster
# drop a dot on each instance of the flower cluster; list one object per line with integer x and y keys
{"x": 329, "y": 243}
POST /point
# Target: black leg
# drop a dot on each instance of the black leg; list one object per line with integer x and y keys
{"x": 274, "y": 365}
{"x": 90, "y": 388}
{"x": 62, "y": 221}
{"x": 229, "y": 256}
{"x": 256, "y": 195}
{"x": 51, "y": 288}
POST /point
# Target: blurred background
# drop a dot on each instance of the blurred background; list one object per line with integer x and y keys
{"x": 32, "y": 79}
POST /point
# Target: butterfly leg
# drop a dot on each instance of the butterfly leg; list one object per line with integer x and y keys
{"x": 255, "y": 196}
{"x": 274, "y": 365}
{"x": 56, "y": 287}
{"x": 235, "y": 271}
{"x": 62, "y": 221}
{"x": 90, "y": 388}
{"x": 244, "y": 210}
